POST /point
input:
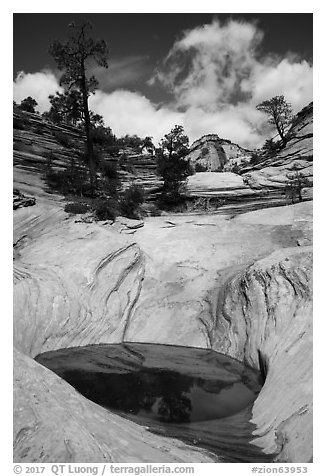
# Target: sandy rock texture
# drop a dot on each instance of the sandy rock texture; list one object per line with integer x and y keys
{"x": 217, "y": 184}
{"x": 38, "y": 141}
{"x": 296, "y": 156}
{"x": 211, "y": 153}
{"x": 260, "y": 185}
{"x": 240, "y": 286}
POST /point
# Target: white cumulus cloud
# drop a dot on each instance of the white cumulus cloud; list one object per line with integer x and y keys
{"x": 217, "y": 76}
{"x": 127, "y": 112}
{"x": 38, "y": 85}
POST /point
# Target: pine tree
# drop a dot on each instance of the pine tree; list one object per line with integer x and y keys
{"x": 73, "y": 57}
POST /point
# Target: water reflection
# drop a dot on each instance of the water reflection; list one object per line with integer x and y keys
{"x": 162, "y": 395}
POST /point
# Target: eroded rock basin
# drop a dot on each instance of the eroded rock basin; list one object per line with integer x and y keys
{"x": 195, "y": 394}
{"x": 239, "y": 286}
{"x": 170, "y": 384}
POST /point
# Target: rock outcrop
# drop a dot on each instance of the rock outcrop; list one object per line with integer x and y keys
{"x": 21, "y": 200}
{"x": 211, "y": 153}
{"x": 217, "y": 184}
{"x": 297, "y": 156}
{"x": 240, "y": 285}
{"x": 204, "y": 281}
{"x": 37, "y": 141}
{"x": 265, "y": 182}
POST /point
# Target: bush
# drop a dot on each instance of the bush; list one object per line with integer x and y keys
{"x": 200, "y": 168}
{"x": 204, "y": 151}
{"x": 112, "y": 150}
{"x": 28, "y": 104}
{"x": 255, "y": 158}
{"x": 235, "y": 168}
{"x": 19, "y": 123}
{"x": 63, "y": 139}
{"x": 104, "y": 208}
{"x": 133, "y": 142}
{"x": 132, "y": 198}
{"x": 109, "y": 170}
{"x": 271, "y": 148}
{"x": 76, "y": 208}
{"x": 73, "y": 180}
{"x": 296, "y": 182}
{"x": 103, "y": 137}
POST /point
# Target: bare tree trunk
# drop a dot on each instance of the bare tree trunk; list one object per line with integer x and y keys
{"x": 89, "y": 142}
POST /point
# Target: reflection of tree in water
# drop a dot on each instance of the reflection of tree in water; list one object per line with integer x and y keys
{"x": 174, "y": 405}
{"x": 175, "y": 408}
{"x": 132, "y": 392}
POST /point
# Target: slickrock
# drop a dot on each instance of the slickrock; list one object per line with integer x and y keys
{"x": 239, "y": 286}
{"x": 217, "y": 184}
{"x": 264, "y": 318}
{"x": 211, "y": 153}
{"x": 296, "y": 156}
{"x": 21, "y": 200}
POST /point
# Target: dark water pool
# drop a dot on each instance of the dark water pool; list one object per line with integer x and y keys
{"x": 167, "y": 384}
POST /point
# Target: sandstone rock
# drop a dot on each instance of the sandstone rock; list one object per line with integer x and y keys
{"x": 54, "y": 423}
{"x": 217, "y": 184}
{"x": 264, "y": 317}
{"x": 20, "y": 200}
{"x": 130, "y": 224}
{"x": 296, "y": 156}
{"x": 240, "y": 286}
{"x": 39, "y": 138}
{"x": 85, "y": 284}
{"x": 211, "y": 153}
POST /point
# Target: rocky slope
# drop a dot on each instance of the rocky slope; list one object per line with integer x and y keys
{"x": 296, "y": 156}
{"x": 211, "y": 153}
{"x": 240, "y": 286}
{"x": 35, "y": 140}
{"x": 263, "y": 184}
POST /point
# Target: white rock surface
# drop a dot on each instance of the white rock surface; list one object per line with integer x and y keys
{"x": 216, "y": 184}
{"x": 201, "y": 282}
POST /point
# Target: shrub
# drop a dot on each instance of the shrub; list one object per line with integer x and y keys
{"x": 255, "y": 158}
{"x": 76, "y": 208}
{"x": 271, "y": 148}
{"x": 63, "y": 139}
{"x": 235, "y": 168}
{"x": 132, "y": 198}
{"x": 109, "y": 170}
{"x": 204, "y": 151}
{"x": 19, "y": 123}
{"x": 103, "y": 137}
{"x": 200, "y": 168}
{"x": 28, "y": 104}
{"x": 133, "y": 142}
{"x": 296, "y": 182}
{"x": 72, "y": 180}
{"x": 112, "y": 150}
{"x": 172, "y": 164}
{"x": 104, "y": 208}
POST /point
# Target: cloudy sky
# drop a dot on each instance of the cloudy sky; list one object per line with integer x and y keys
{"x": 204, "y": 71}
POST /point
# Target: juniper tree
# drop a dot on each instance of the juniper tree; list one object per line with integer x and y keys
{"x": 279, "y": 112}
{"x": 65, "y": 107}
{"x": 74, "y": 57}
{"x": 28, "y": 104}
{"x": 171, "y": 163}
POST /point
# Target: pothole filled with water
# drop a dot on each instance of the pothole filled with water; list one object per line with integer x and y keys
{"x": 164, "y": 383}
